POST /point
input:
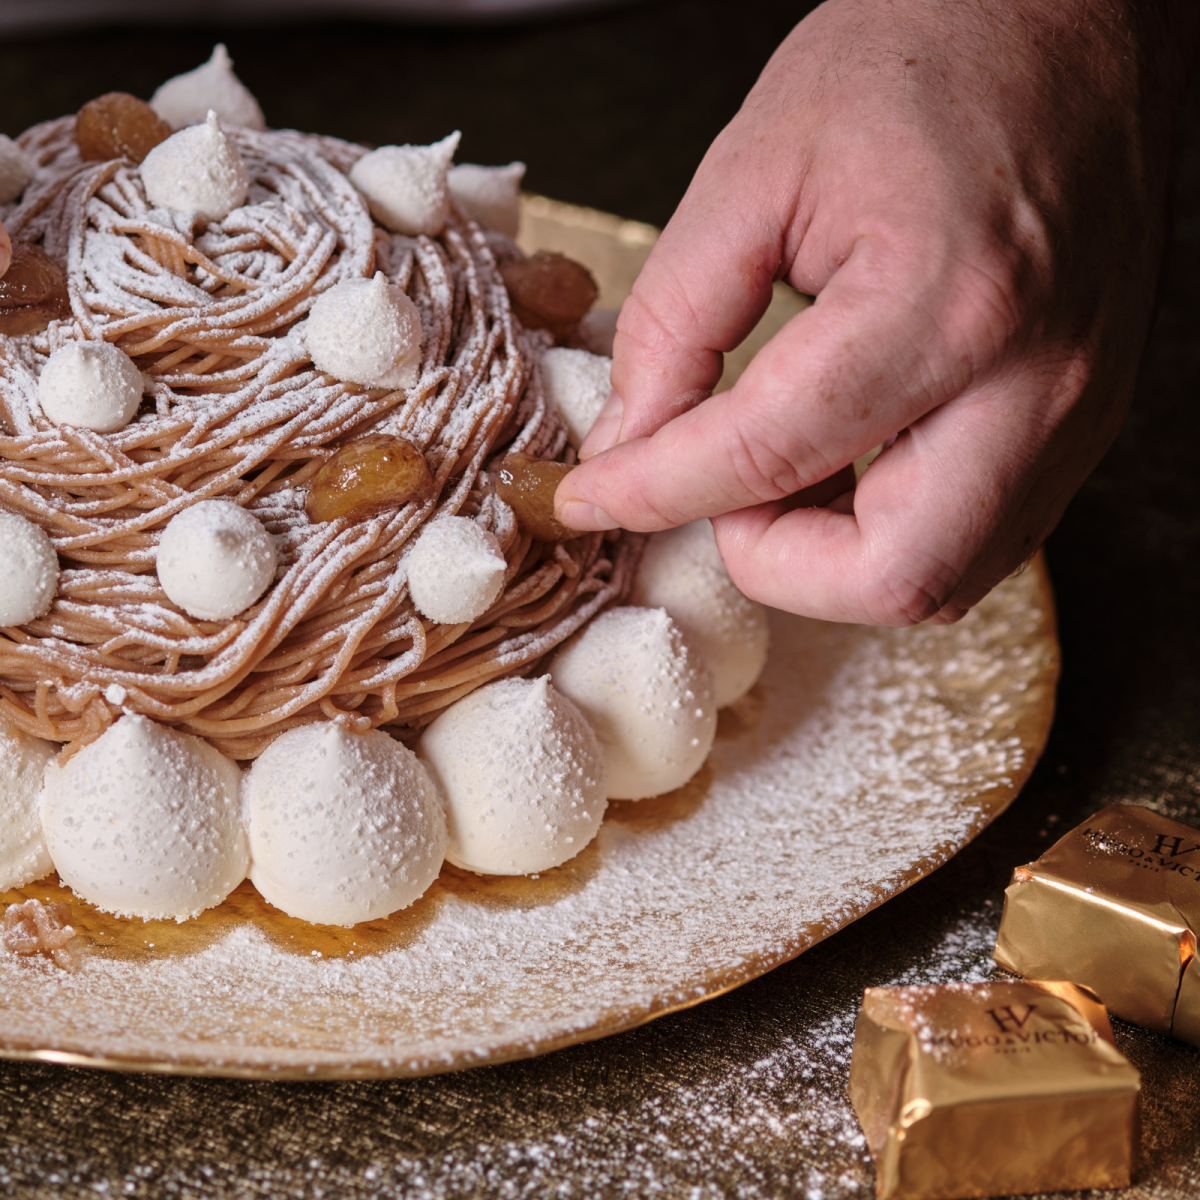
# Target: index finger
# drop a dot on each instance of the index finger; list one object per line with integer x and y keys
{"x": 703, "y": 288}
{"x": 888, "y": 340}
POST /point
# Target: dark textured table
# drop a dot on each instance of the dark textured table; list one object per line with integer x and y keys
{"x": 743, "y": 1096}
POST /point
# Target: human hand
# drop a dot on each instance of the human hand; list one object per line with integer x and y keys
{"x": 975, "y": 195}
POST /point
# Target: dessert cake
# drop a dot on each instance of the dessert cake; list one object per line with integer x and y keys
{"x": 277, "y": 460}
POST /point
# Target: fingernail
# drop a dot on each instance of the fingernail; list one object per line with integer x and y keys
{"x": 579, "y": 514}
{"x": 605, "y": 433}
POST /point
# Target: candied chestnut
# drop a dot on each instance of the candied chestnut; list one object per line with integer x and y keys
{"x": 368, "y": 476}
{"x": 549, "y": 291}
{"x": 527, "y": 485}
{"x": 118, "y": 125}
{"x": 33, "y": 291}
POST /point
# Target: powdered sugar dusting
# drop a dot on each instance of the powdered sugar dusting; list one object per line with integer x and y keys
{"x": 862, "y": 759}
{"x": 220, "y": 319}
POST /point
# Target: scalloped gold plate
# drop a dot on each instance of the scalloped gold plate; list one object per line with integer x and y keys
{"x": 863, "y": 759}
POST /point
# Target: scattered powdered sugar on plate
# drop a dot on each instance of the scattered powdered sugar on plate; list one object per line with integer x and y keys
{"x": 862, "y": 759}
{"x": 723, "y": 1132}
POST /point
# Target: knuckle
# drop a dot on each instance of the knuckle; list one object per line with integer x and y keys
{"x": 641, "y": 324}
{"x": 660, "y": 311}
{"x": 653, "y": 355}
{"x": 969, "y": 298}
{"x": 971, "y": 321}
{"x": 766, "y": 460}
{"x": 910, "y": 590}
{"x": 950, "y": 615}
{"x": 641, "y": 502}
{"x": 984, "y": 311}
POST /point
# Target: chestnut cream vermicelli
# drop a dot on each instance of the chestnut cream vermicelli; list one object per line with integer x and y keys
{"x": 234, "y": 409}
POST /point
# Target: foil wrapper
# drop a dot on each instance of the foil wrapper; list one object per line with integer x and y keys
{"x": 988, "y": 1089}
{"x": 1114, "y": 905}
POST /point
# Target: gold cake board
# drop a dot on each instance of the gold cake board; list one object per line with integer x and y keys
{"x": 862, "y": 761}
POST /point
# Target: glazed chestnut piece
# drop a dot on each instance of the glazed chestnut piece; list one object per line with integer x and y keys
{"x": 33, "y": 292}
{"x": 549, "y": 291}
{"x": 527, "y": 485}
{"x": 368, "y": 476}
{"x": 117, "y": 125}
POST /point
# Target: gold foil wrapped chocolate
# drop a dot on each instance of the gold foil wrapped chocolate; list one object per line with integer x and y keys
{"x": 988, "y": 1089}
{"x": 1114, "y": 905}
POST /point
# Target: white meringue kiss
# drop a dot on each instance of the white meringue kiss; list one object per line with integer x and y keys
{"x": 186, "y": 99}
{"x": 196, "y": 170}
{"x": 366, "y": 331}
{"x": 215, "y": 559}
{"x": 405, "y": 186}
{"x": 91, "y": 385}
{"x": 30, "y": 575}
{"x": 490, "y": 196}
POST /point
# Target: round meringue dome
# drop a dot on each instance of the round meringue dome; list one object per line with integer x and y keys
{"x": 405, "y": 186}
{"x": 366, "y": 331}
{"x": 23, "y": 853}
{"x": 455, "y": 571}
{"x": 196, "y": 170}
{"x": 647, "y": 694}
{"x": 215, "y": 559}
{"x": 682, "y": 572}
{"x": 187, "y": 99}
{"x": 522, "y": 776}
{"x": 490, "y": 196}
{"x": 146, "y": 822}
{"x": 91, "y": 385}
{"x": 344, "y": 827}
{"x": 16, "y": 170}
{"x": 579, "y": 383}
{"x": 30, "y": 576}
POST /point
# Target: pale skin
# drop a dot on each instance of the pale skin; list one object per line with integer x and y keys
{"x": 975, "y": 193}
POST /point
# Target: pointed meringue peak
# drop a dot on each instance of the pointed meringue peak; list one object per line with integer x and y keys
{"x": 185, "y": 99}
{"x": 490, "y": 196}
{"x": 366, "y": 331}
{"x": 455, "y": 570}
{"x": 197, "y": 170}
{"x": 405, "y": 186}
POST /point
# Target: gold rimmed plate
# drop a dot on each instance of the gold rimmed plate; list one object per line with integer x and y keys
{"x": 862, "y": 760}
